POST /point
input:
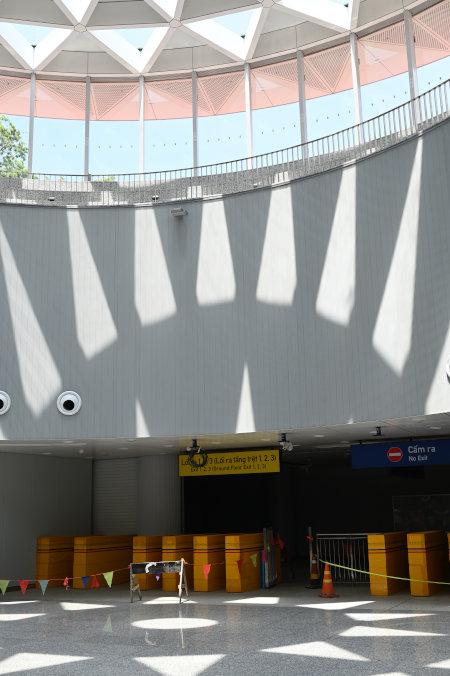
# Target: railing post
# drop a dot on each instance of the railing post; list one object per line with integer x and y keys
{"x": 87, "y": 125}
{"x": 412, "y": 67}
{"x": 141, "y": 124}
{"x": 31, "y": 121}
{"x": 195, "y": 121}
{"x": 248, "y": 114}
{"x": 356, "y": 85}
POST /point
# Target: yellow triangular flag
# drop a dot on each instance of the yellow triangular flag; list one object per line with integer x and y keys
{"x": 109, "y": 577}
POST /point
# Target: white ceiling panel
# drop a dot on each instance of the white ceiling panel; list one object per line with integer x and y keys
{"x": 182, "y": 33}
{"x": 125, "y": 13}
{"x": 36, "y": 11}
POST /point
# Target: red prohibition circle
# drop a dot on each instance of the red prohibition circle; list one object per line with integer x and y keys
{"x": 395, "y": 454}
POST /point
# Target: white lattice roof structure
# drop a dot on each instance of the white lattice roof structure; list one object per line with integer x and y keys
{"x": 133, "y": 37}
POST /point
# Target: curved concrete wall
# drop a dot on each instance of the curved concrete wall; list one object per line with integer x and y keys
{"x": 316, "y": 303}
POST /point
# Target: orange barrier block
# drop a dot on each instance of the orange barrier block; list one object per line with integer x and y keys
{"x": 174, "y": 548}
{"x": 147, "y": 548}
{"x": 241, "y": 548}
{"x": 100, "y": 554}
{"x": 428, "y": 560}
{"x": 54, "y": 558}
{"x": 388, "y": 555}
{"x": 209, "y": 549}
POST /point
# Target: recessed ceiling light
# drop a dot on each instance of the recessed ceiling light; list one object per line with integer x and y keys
{"x": 216, "y": 443}
{"x": 131, "y": 440}
{"x": 418, "y": 419}
{"x": 319, "y": 436}
{"x": 168, "y": 445}
{"x": 265, "y": 438}
{"x": 47, "y": 453}
{"x": 435, "y": 427}
{"x": 123, "y": 448}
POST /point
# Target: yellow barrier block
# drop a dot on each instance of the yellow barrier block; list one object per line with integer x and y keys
{"x": 54, "y": 558}
{"x": 147, "y": 548}
{"x": 174, "y": 548}
{"x": 100, "y": 554}
{"x": 388, "y": 555}
{"x": 242, "y": 547}
{"x": 427, "y": 557}
{"x": 209, "y": 549}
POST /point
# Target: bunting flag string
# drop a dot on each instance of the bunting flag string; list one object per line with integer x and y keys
{"x": 109, "y": 575}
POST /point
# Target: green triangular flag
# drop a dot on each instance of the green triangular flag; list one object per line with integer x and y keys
{"x": 109, "y": 577}
{"x": 4, "y": 585}
{"x": 254, "y": 559}
{"x": 43, "y": 585}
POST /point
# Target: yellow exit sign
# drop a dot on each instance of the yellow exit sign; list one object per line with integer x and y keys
{"x": 237, "y": 462}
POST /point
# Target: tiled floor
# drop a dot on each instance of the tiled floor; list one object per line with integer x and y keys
{"x": 287, "y": 630}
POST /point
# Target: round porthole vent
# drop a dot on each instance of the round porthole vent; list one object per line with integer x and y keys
{"x": 69, "y": 403}
{"x": 5, "y": 402}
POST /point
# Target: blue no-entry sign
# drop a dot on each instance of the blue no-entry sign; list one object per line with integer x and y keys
{"x": 402, "y": 454}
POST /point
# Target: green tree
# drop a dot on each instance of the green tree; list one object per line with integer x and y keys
{"x": 13, "y": 151}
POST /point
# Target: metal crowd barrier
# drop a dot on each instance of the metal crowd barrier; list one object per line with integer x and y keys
{"x": 235, "y": 176}
{"x": 345, "y": 549}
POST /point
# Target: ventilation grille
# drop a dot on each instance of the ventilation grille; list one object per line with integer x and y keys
{"x": 73, "y": 93}
{"x": 329, "y": 69}
{"x": 223, "y": 93}
{"x": 9, "y": 84}
{"x": 108, "y": 96}
{"x": 432, "y": 27}
{"x": 391, "y": 35}
{"x": 169, "y": 99}
{"x": 286, "y": 70}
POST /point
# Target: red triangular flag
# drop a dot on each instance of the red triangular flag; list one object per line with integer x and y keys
{"x": 206, "y": 570}
{"x": 24, "y": 585}
{"x": 264, "y": 556}
{"x": 95, "y": 584}
{"x": 66, "y": 583}
{"x": 240, "y": 563}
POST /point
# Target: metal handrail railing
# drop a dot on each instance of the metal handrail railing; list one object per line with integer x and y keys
{"x": 223, "y": 178}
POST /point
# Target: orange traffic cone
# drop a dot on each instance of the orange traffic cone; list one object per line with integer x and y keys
{"x": 314, "y": 578}
{"x": 327, "y": 584}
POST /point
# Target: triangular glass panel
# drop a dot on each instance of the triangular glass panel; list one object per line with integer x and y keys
{"x": 33, "y": 34}
{"x": 238, "y": 22}
{"x": 137, "y": 37}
